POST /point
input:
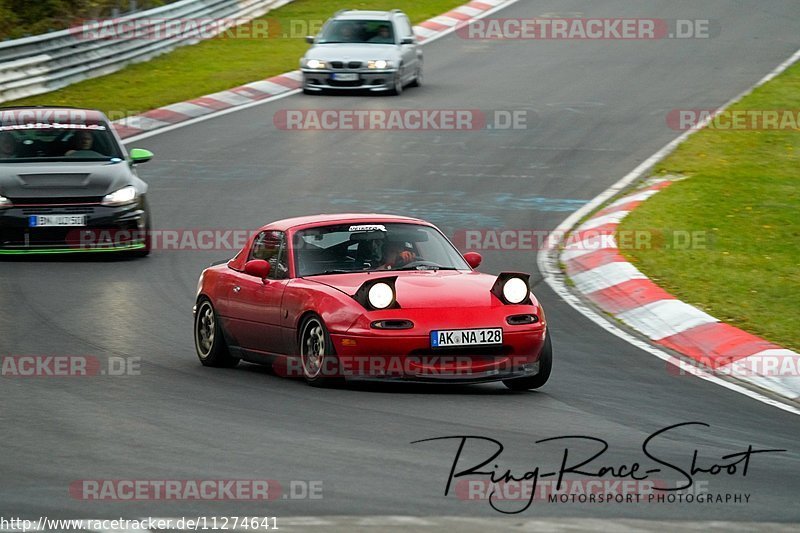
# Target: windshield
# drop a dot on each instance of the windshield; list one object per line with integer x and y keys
{"x": 357, "y": 31}
{"x": 57, "y": 142}
{"x": 363, "y": 247}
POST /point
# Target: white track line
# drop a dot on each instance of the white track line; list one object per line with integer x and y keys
{"x": 547, "y": 259}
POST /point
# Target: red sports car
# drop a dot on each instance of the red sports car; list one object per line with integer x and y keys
{"x": 369, "y": 297}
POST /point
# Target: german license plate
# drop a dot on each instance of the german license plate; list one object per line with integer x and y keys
{"x": 42, "y": 221}
{"x": 466, "y": 337}
{"x": 345, "y": 76}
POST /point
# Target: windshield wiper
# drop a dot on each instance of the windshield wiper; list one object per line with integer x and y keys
{"x": 424, "y": 267}
{"x": 334, "y": 271}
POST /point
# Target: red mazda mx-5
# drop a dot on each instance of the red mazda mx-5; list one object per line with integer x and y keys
{"x": 369, "y": 297}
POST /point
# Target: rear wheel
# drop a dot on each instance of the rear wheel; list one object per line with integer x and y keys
{"x": 545, "y": 366}
{"x": 209, "y": 341}
{"x": 317, "y": 356}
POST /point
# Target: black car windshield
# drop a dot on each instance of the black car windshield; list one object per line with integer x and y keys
{"x": 37, "y": 142}
{"x": 365, "y": 246}
{"x": 357, "y": 31}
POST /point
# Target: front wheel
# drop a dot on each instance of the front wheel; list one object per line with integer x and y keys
{"x": 417, "y": 78}
{"x": 545, "y": 366}
{"x": 208, "y": 339}
{"x": 397, "y": 88}
{"x": 317, "y": 355}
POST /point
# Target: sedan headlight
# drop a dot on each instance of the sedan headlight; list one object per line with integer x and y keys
{"x": 125, "y": 195}
{"x": 315, "y": 64}
{"x": 5, "y": 202}
{"x": 379, "y": 64}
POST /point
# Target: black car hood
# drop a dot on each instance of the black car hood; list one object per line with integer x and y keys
{"x": 21, "y": 181}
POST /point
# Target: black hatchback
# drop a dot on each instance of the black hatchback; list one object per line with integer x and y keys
{"x": 68, "y": 185}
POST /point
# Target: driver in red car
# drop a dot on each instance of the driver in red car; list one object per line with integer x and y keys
{"x": 396, "y": 255}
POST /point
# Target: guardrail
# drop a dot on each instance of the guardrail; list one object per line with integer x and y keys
{"x": 43, "y": 63}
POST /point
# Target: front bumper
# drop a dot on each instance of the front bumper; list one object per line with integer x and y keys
{"x": 107, "y": 229}
{"x": 368, "y": 80}
{"x": 409, "y": 357}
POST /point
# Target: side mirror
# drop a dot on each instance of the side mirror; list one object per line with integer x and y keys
{"x": 407, "y": 40}
{"x": 140, "y": 155}
{"x": 473, "y": 259}
{"x": 310, "y": 39}
{"x": 258, "y": 268}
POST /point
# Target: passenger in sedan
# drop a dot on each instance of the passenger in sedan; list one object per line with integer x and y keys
{"x": 384, "y": 36}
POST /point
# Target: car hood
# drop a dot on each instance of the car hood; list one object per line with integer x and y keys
{"x": 423, "y": 289}
{"x": 20, "y": 181}
{"x": 353, "y": 52}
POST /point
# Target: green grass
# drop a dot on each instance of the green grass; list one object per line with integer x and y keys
{"x": 220, "y": 63}
{"x": 744, "y": 191}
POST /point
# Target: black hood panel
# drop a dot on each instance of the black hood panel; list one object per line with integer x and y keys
{"x": 45, "y": 181}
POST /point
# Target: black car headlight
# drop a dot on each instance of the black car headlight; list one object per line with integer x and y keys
{"x": 123, "y": 196}
{"x": 512, "y": 288}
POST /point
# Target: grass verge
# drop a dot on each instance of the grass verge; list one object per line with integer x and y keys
{"x": 220, "y": 63}
{"x": 743, "y": 194}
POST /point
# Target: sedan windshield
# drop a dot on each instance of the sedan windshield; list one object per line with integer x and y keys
{"x": 357, "y": 31}
{"x": 57, "y": 142}
{"x": 345, "y": 248}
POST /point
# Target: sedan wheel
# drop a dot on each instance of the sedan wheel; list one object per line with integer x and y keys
{"x": 397, "y": 90}
{"x": 417, "y": 78}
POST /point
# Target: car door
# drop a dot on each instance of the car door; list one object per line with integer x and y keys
{"x": 409, "y": 52}
{"x": 254, "y": 304}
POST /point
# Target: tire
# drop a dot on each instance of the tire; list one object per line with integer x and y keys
{"x": 317, "y": 355}
{"x": 417, "y": 79}
{"x": 308, "y": 91}
{"x": 397, "y": 90}
{"x": 144, "y": 252}
{"x": 209, "y": 341}
{"x": 545, "y": 366}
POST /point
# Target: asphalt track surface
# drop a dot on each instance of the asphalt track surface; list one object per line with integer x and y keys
{"x": 599, "y": 110}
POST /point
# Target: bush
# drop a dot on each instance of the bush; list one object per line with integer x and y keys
{"x": 21, "y": 18}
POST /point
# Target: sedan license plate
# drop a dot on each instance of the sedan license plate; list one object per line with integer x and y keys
{"x": 466, "y": 337}
{"x": 43, "y": 221}
{"x": 345, "y": 76}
